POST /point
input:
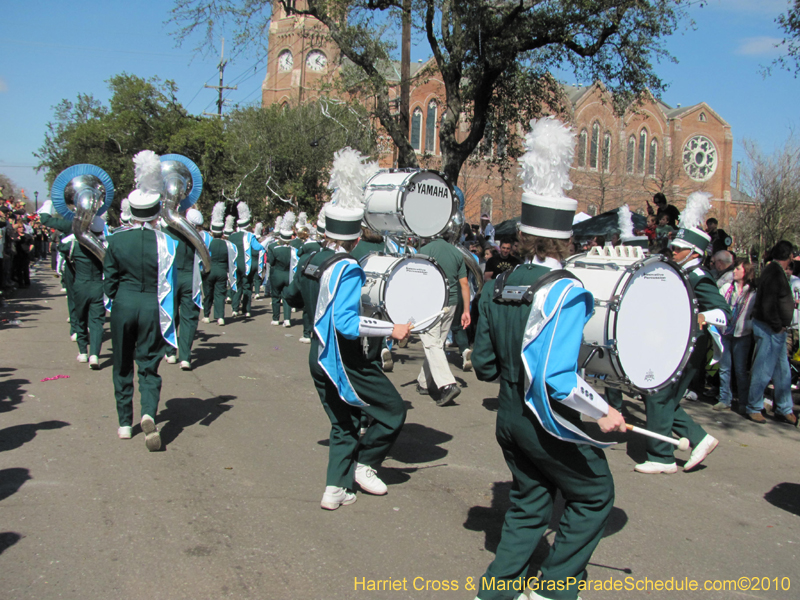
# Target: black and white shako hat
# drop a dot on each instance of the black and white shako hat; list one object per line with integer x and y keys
{"x": 349, "y": 174}
{"x": 145, "y": 200}
{"x": 544, "y": 169}
{"x": 690, "y": 233}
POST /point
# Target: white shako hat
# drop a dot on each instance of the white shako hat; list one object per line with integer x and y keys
{"x": 544, "y": 169}
{"x": 230, "y": 221}
{"x": 244, "y": 214}
{"x": 287, "y": 226}
{"x": 626, "y": 235}
{"x": 259, "y": 229}
{"x": 145, "y": 200}
{"x": 302, "y": 222}
{"x": 218, "y": 217}
{"x": 349, "y": 173}
{"x": 690, "y": 234}
{"x": 125, "y": 211}
{"x": 277, "y": 228}
{"x": 321, "y": 219}
{"x": 194, "y": 216}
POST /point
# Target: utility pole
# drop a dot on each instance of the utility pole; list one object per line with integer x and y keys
{"x": 220, "y": 87}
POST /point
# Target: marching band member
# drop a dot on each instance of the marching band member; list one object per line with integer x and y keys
{"x": 188, "y": 301}
{"x": 529, "y": 335}
{"x": 222, "y": 267}
{"x": 139, "y": 262}
{"x": 279, "y": 259}
{"x": 663, "y": 409}
{"x": 348, "y": 382}
{"x": 66, "y": 268}
{"x": 248, "y": 249}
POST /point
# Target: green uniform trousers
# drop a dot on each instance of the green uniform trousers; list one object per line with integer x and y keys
{"x": 665, "y": 415}
{"x": 278, "y": 280}
{"x": 460, "y": 337}
{"x": 90, "y": 315}
{"x": 541, "y": 465}
{"x": 242, "y": 300}
{"x": 614, "y": 398}
{"x": 136, "y": 335}
{"x": 187, "y": 315}
{"x": 386, "y": 407}
{"x": 68, "y": 280}
{"x": 216, "y": 286}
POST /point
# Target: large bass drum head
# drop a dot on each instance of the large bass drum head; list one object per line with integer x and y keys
{"x": 415, "y": 290}
{"x": 428, "y": 204}
{"x": 654, "y": 325}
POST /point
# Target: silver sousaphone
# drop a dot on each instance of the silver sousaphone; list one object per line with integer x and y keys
{"x": 90, "y": 190}
{"x": 183, "y": 184}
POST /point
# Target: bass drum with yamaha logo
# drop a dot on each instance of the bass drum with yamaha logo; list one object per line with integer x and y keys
{"x": 409, "y": 202}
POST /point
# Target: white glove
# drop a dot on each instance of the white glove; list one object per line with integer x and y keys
{"x": 47, "y": 208}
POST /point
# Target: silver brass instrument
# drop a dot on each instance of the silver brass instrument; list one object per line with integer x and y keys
{"x": 178, "y": 185}
{"x": 86, "y": 193}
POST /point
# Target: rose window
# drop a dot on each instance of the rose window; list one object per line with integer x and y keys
{"x": 700, "y": 158}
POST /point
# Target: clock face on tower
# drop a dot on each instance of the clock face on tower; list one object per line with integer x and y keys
{"x": 285, "y": 61}
{"x": 316, "y": 61}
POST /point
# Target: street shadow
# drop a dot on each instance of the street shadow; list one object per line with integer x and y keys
{"x": 208, "y": 353}
{"x": 419, "y": 444}
{"x": 785, "y": 496}
{"x": 489, "y": 520}
{"x": 491, "y": 404}
{"x": 15, "y": 436}
{"x": 11, "y": 480}
{"x": 11, "y": 390}
{"x": 8, "y": 539}
{"x": 180, "y": 413}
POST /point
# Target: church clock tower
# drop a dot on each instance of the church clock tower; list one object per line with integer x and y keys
{"x": 300, "y": 58}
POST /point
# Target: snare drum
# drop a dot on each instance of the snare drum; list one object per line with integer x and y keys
{"x": 407, "y": 202}
{"x": 644, "y": 325}
{"x": 403, "y": 288}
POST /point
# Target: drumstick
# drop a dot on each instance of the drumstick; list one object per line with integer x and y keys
{"x": 682, "y": 444}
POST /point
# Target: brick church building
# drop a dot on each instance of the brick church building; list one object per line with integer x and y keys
{"x": 618, "y": 159}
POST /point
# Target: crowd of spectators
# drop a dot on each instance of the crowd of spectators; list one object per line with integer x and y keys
{"x": 23, "y": 239}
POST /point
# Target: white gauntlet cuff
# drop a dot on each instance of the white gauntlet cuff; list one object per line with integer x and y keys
{"x": 586, "y": 401}
{"x": 715, "y": 317}
{"x": 369, "y": 327}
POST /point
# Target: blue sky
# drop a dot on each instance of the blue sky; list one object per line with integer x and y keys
{"x": 54, "y": 50}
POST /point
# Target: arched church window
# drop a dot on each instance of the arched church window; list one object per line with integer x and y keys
{"x": 416, "y": 130}
{"x": 594, "y": 147}
{"x": 606, "y": 150}
{"x": 582, "y": 139}
{"x": 642, "y": 150}
{"x": 430, "y": 128}
{"x": 631, "y": 154}
{"x": 652, "y": 158}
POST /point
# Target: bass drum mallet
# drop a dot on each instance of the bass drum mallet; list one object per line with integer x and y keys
{"x": 682, "y": 444}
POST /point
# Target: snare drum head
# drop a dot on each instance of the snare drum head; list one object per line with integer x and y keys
{"x": 654, "y": 325}
{"x": 427, "y": 204}
{"x": 415, "y": 290}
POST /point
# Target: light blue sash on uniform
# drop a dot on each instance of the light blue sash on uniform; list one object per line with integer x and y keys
{"x": 246, "y": 241}
{"x": 166, "y": 286}
{"x": 330, "y": 358}
{"x": 292, "y": 262}
{"x": 232, "y": 254}
{"x": 545, "y": 364}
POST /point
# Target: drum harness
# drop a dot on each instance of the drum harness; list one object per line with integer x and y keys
{"x": 521, "y": 294}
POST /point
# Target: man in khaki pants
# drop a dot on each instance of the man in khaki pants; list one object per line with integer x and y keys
{"x": 435, "y": 378}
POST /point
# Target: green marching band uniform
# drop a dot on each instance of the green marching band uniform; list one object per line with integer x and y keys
{"x": 531, "y": 344}
{"x": 90, "y": 309}
{"x": 279, "y": 259}
{"x": 66, "y": 268}
{"x": 139, "y": 281}
{"x": 248, "y": 249}
{"x": 663, "y": 409}
{"x": 223, "y": 254}
{"x": 349, "y": 381}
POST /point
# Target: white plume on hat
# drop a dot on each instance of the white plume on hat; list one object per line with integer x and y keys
{"x": 697, "y": 205}
{"x": 287, "y": 223}
{"x": 230, "y": 222}
{"x": 349, "y": 173}
{"x": 625, "y": 223}
{"x": 259, "y": 229}
{"x": 125, "y": 210}
{"x": 218, "y": 215}
{"x": 278, "y": 221}
{"x": 302, "y": 221}
{"x": 550, "y": 148}
{"x": 244, "y": 213}
{"x": 147, "y": 170}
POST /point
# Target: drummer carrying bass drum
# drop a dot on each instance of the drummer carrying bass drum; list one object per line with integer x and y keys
{"x": 348, "y": 382}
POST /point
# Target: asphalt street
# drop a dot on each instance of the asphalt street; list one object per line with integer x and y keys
{"x": 230, "y": 507}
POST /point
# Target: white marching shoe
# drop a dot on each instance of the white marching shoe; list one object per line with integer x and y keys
{"x": 387, "y": 363}
{"x": 234, "y": 314}
{"x": 186, "y": 365}
{"x": 125, "y": 432}
{"x": 152, "y": 439}
{"x": 206, "y": 320}
{"x": 220, "y": 322}
{"x": 335, "y": 496}
{"x": 94, "y": 363}
{"x": 653, "y": 468}
{"x": 287, "y": 323}
{"x": 82, "y": 358}
{"x": 699, "y": 452}
{"x": 466, "y": 360}
{"x": 304, "y": 340}
{"x": 368, "y": 481}
{"x": 74, "y": 337}
{"x": 247, "y": 315}
{"x": 275, "y": 323}
{"x": 172, "y": 359}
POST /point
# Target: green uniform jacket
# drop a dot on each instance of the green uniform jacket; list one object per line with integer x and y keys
{"x": 131, "y": 264}
{"x": 279, "y": 259}
{"x": 184, "y": 253}
{"x": 237, "y": 239}
{"x": 708, "y": 298}
{"x": 88, "y": 268}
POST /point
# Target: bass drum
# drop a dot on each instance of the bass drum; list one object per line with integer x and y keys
{"x": 644, "y": 325}
{"x": 409, "y": 202}
{"x": 403, "y": 289}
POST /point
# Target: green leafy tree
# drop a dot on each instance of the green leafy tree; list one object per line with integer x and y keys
{"x": 494, "y": 58}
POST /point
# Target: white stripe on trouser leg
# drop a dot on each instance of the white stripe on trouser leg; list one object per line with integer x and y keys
{"x": 435, "y": 372}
